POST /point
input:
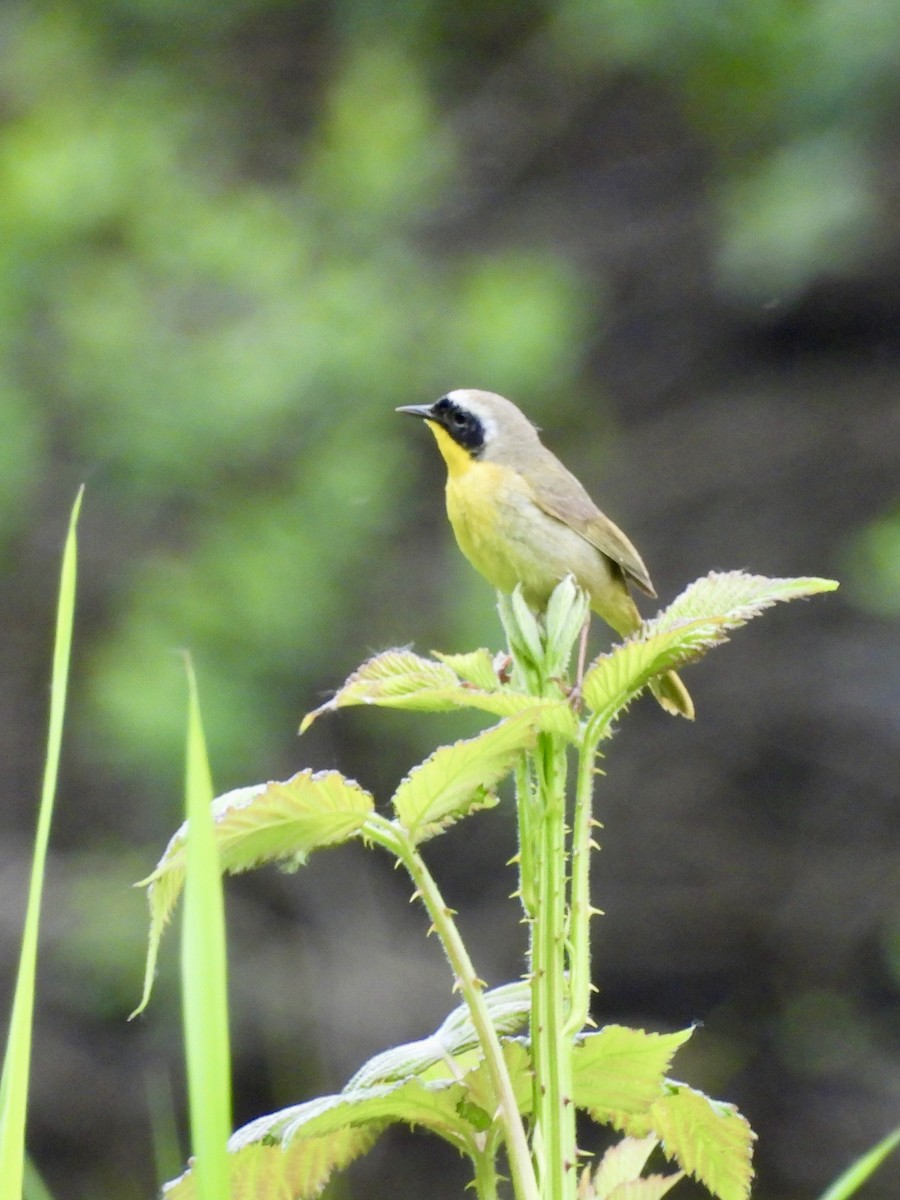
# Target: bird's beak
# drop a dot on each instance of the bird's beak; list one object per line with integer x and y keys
{"x": 416, "y": 410}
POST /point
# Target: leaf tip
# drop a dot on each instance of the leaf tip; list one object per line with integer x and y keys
{"x": 76, "y": 506}
{"x": 314, "y": 715}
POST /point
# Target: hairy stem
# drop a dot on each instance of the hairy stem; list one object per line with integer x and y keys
{"x": 486, "y": 1179}
{"x": 525, "y": 810}
{"x": 389, "y": 835}
{"x": 551, "y": 1044}
{"x": 580, "y": 911}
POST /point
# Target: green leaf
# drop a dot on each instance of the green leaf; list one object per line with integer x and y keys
{"x": 293, "y": 1152}
{"x": 618, "y": 1075}
{"x": 270, "y": 822}
{"x": 395, "y": 678}
{"x": 476, "y": 667}
{"x": 616, "y": 678}
{"x": 618, "y": 1174}
{"x": 401, "y": 679}
{"x": 698, "y": 619}
{"x": 297, "y": 1148}
{"x": 274, "y": 821}
{"x": 651, "y": 1187}
{"x": 734, "y": 598}
{"x": 707, "y": 1138}
{"x": 619, "y": 1071}
{"x": 525, "y": 631}
{"x": 567, "y": 611}
{"x": 432, "y": 1104}
{"x": 851, "y": 1180}
{"x": 267, "y": 1171}
{"x": 458, "y": 779}
{"x": 508, "y": 1007}
{"x": 623, "y": 1162}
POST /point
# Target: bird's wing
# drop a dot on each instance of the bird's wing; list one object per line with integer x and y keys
{"x": 567, "y": 501}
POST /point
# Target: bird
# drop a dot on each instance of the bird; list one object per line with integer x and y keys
{"x": 522, "y": 519}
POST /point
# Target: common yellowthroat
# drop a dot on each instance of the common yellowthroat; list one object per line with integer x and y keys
{"x": 521, "y": 518}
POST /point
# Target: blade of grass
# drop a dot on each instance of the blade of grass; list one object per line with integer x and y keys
{"x": 204, "y": 972}
{"x": 167, "y": 1150}
{"x": 857, "y": 1173}
{"x": 17, "y": 1060}
{"x": 35, "y": 1188}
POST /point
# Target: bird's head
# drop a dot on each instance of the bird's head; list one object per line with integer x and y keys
{"x": 471, "y": 425}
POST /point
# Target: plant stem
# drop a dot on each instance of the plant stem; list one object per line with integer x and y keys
{"x": 554, "y": 1148}
{"x": 394, "y": 839}
{"x": 525, "y": 804}
{"x": 541, "y": 651}
{"x": 580, "y": 911}
{"x": 485, "y": 1161}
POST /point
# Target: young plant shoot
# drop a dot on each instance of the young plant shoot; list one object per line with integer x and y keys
{"x": 503, "y": 1077}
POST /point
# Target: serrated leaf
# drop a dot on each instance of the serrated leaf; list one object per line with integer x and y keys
{"x": 476, "y": 667}
{"x": 269, "y": 822}
{"x": 458, "y": 779}
{"x": 651, "y": 1187}
{"x": 395, "y": 678}
{"x": 735, "y": 597}
{"x": 508, "y": 1007}
{"x": 550, "y": 716}
{"x": 299, "y": 1171}
{"x": 556, "y": 716}
{"x": 277, "y": 820}
{"x": 401, "y": 679}
{"x": 618, "y": 1076}
{"x": 695, "y": 621}
{"x": 622, "y": 1163}
{"x": 615, "y": 679}
{"x": 619, "y": 1070}
{"x": 433, "y": 1104}
{"x": 618, "y": 1174}
{"x": 707, "y": 1138}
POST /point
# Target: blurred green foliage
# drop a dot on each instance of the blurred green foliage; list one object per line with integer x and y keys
{"x": 873, "y": 566}
{"x": 235, "y": 234}
{"x": 789, "y": 92}
{"x": 219, "y": 348}
{"x": 229, "y": 350}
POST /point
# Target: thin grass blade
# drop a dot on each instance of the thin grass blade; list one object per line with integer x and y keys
{"x": 204, "y": 973}
{"x": 17, "y": 1060}
{"x": 849, "y": 1183}
{"x": 35, "y": 1188}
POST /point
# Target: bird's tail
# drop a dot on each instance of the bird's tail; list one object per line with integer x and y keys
{"x": 673, "y": 695}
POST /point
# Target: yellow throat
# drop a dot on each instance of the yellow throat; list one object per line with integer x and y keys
{"x": 474, "y": 505}
{"x": 458, "y": 460}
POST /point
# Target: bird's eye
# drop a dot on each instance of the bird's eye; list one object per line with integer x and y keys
{"x": 460, "y": 419}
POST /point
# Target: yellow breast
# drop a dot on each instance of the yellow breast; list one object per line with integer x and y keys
{"x": 480, "y": 505}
